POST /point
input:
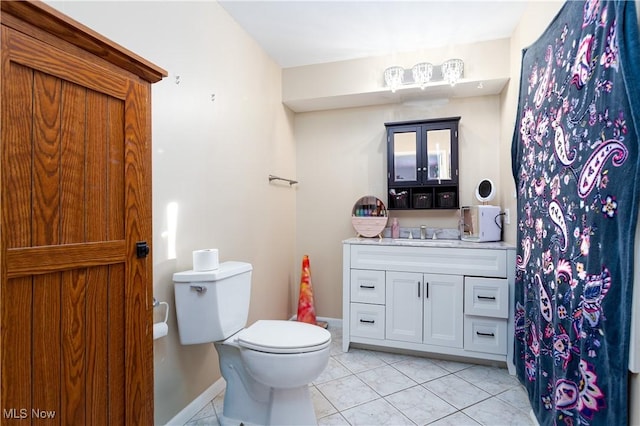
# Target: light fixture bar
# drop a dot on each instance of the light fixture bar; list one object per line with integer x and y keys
{"x": 424, "y": 73}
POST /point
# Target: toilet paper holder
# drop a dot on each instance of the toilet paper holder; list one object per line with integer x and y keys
{"x": 166, "y": 308}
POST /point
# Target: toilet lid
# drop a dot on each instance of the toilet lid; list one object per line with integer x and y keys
{"x": 276, "y": 336}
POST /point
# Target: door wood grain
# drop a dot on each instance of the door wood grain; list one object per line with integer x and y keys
{"x": 75, "y": 178}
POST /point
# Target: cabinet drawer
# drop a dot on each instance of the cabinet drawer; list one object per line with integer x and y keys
{"x": 486, "y": 297}
{"x": 485, "y": 335}
{"x": 431, "y": 260}
{"x": 367, "y": 286}
{"x": 367, "y": 320}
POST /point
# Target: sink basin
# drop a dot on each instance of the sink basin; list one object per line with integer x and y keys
{"x": 419, "y": 242}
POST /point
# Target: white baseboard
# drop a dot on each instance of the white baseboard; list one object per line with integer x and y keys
{"x": 333, "y": 322}
{"x": 197, "y": 404}
{"x": 205, "y": 397}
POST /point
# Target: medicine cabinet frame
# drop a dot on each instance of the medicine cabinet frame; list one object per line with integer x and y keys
{"x": 422, "y": 164}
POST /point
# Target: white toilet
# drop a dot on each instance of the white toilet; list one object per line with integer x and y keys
{"x": 267, "y": 366}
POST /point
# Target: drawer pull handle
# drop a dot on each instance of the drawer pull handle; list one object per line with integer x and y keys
{"x": 487, "y": 297}
{"x": 367, "y": 321}
{"x": 485, "y": 334}
{"x": 367, "y": 286}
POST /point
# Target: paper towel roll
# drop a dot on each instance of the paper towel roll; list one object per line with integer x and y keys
{"x": 205, "y": 260}
{"x": 160, "y": 329}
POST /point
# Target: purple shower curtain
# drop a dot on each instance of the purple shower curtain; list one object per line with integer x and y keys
{"x": 575, "y": 164}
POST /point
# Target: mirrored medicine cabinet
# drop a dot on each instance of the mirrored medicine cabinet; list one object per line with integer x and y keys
{"x": 422, "y": 169}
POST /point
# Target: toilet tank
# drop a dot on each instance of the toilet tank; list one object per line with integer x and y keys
{"x": 212, "y": 305}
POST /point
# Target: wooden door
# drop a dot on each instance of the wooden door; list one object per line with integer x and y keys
{"x": 75, "y": 299}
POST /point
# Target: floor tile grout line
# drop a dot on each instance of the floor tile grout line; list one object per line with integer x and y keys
{"x": 329, "y": 401}
{"x": 393, "y": 362}
{"x": 446, "y": 402}
{"x": 449, "y": 373}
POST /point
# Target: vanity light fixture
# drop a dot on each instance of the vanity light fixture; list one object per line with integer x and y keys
{"x": 424, "y": 73}
{"x": 394, "y": 77}
{"x": 452, "y": 71}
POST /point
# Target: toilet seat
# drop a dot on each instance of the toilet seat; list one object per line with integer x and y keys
{"x": 283, "y": 337}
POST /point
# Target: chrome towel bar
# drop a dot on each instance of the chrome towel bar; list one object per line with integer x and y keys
{"x": 291, "y": 182}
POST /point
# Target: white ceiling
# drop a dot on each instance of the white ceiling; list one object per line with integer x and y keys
{"x": 303, "y": 32}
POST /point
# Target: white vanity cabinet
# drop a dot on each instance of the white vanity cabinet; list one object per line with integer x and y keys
{"x": 442, "y": 297}
{"x": 424, "y": 308}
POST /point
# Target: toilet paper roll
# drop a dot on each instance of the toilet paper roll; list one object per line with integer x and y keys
{"x": 160, "y": 329}
{"x": 205, "y": 260}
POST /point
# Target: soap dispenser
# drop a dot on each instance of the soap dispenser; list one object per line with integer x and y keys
{"x": 395, "y": 228}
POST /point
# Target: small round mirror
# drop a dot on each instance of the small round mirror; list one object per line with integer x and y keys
{"x": 485, "y": 191}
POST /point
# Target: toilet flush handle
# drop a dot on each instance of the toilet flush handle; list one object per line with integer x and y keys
{"x": 199, "y": 288}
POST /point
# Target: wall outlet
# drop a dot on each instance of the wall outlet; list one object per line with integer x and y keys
{"x": 507, "y": 216}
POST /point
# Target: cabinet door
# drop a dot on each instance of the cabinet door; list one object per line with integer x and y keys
{"x": 441, "y": 152}
{"x": 443, "y": 310}
{"x": 404, "y": 306}
{"x": 404, "y": 155}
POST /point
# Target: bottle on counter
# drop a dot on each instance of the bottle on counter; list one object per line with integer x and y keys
{"x": 395, "y": 228}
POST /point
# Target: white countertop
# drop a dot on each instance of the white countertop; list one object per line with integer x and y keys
{"x": 501, "y": 245}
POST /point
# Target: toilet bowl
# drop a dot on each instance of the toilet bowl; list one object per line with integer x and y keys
{"x": 267, "y": 366}
{"x": 268, "y": 374}
{"x": 284, "y": 354}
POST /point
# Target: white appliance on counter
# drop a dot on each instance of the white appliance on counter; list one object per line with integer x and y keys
{"x": 480, "y": 223}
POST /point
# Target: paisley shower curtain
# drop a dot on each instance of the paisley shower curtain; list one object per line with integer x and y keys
{"x": 575, "y": 164}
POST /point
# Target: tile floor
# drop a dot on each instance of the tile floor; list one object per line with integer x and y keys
{"x": 364, "y": 387}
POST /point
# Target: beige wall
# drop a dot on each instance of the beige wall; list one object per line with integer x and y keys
{"x": 341, "y": 153}
{"x": 213, "y": 160}
{"x": 341, "y": 156}
{"x": 537, "y": 17}
{"x": 360, "y": 82}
